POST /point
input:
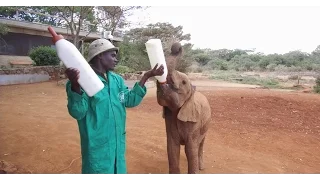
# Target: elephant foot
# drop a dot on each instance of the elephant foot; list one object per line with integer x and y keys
{"x": 193, "y": 172}
{"x": 201, "y": 164}
{"x": 174, "y": 171}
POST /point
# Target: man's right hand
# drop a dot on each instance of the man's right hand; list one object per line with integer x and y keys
{"x": 73, "y": 75}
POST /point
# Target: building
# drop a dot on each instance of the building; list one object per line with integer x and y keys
{"x": 23, "y": 36}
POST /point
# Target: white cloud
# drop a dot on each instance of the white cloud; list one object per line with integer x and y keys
{"x": 268, "y": 29}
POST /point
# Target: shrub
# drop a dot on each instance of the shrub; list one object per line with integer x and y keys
{"x": 316, "y": 88}
{"x": 293, "y": 77}
{"x": 218, "y": 64}
{"x": 122, "y": 69}
{"x": 44, "y": 56}
{"x": 271, "y": 67}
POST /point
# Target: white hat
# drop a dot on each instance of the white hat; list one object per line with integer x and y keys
{"x": 98, "y": 46}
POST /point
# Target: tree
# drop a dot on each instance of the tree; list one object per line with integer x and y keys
{"x": 71, "y": 16}
{"x": 114, "y": 18}
{"x": 30, "y": 14}
{"x": 164, "y": 31}
{"x": 133, "y": 51}
{"x": 202, "y": 58}
{"x": 76, "y": 18}
{"x": 3, "y": 29}
{"x": 294, "y": 58}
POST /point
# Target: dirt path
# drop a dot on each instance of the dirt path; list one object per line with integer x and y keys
{"x": 253, "y": 131}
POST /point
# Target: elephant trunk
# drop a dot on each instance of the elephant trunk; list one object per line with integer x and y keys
{"x": 173, "y": 59}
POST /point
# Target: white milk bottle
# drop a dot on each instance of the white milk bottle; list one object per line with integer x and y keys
{"x": 156, "y": 55}
{"x": 72, "y": 58}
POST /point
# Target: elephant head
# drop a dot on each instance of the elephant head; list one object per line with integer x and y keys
{"x": 179, "y": 95}
{"x": 189, "y": 100}
{"x": 183, "y": 100}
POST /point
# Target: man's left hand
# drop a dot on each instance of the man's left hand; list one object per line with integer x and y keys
{"x": 155, "y": 71}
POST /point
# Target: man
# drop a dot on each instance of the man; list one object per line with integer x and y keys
{"x": 102, "y": 118}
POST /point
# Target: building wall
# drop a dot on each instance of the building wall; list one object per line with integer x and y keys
{"x": 36, "y": 74}
{"x": 26, "y": 75}
{"x": 6, "y": 59}
{"x": 21, "y": 44}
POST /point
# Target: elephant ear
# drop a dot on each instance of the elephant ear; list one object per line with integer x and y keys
{"x": 190, "y": 110}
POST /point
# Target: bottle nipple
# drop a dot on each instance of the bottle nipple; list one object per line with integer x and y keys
{"x": 55, "y": 37}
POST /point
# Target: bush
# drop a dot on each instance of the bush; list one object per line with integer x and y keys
{"x": 85, "y": 50}
{"x": 202, "y": 58}
{"x": 122, "y": 69}
{"x": 183, "y": 65}
{"x": 218, "y": 64}
{"x": 271, "y": 67}
{"x": 316, "y": 88}
{"x": 293, "y": 77}
{"x": 44, "y": 56}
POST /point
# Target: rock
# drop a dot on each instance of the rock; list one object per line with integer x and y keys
{"x": 7, "y": 168}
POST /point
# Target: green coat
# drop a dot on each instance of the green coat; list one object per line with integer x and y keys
{"x": 102, "y": 124}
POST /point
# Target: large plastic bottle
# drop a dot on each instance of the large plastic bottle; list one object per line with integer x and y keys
{"x": 156, "y": 55}
{"x": 72, "y": 58}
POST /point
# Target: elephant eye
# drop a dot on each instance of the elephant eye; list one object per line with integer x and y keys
{"x": 183, "y": 82}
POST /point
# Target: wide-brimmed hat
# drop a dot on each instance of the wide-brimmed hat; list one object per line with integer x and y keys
{"x": 98, "y": 46}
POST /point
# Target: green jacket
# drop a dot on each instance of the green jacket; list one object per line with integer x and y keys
{"x": 102, "y": 124}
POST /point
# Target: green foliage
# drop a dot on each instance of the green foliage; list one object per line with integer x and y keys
{"x": 187, "y": 59}
{"x": 85, "y": 50}
{"x": 123, "y": 69}
{"x": 133, "y": 51}
{"x": 111, "y": 18}
{"x": 115, "y": 18}
{"x": 240, "y": 60}
{"x": 3, "y": 29}
{"x": 44, "y": 56}
{"x": 29, "y": 15}
{"x": 254, "y": 80}
{"x": 264, "y": 82}
{"x": 218, "y": 64}
{"x": 316, "y": 88}
{"x": 166, "y": 32}
{"x": 202, "y": 58}
{"x": 133, "y": 55}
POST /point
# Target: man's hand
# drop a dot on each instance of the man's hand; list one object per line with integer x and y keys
{"x": 151, "y": 73}
{"x": 73, "y": 75}
{"x": 155, "y": 71}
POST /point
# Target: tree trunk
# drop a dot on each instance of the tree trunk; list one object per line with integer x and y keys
{"x": 76, "y": 42}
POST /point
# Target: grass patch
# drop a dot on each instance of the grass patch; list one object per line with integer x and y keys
{"x": 224, "y": 75}
{"x": 264, "y": 82}
{"x": 233, "y": 76}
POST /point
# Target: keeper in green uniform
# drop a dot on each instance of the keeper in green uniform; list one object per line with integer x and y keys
{"x": 102, "y": 118}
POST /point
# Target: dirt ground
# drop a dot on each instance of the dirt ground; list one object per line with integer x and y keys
{"x": 253, "y": 131}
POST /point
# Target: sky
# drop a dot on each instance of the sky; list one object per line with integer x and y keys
{"x": 267, "y": 29}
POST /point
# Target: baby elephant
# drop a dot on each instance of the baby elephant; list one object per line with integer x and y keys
{"x": 187, "y": 115}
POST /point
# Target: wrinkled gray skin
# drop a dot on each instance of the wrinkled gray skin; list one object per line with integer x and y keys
{"x": 187, "y": 114}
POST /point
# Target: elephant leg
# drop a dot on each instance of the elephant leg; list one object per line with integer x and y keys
{"x": 173, "y": 150}
{"x": 201, "y": 165}
{"x": 173, "y": 143}
{"x": 192, "y": 150}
